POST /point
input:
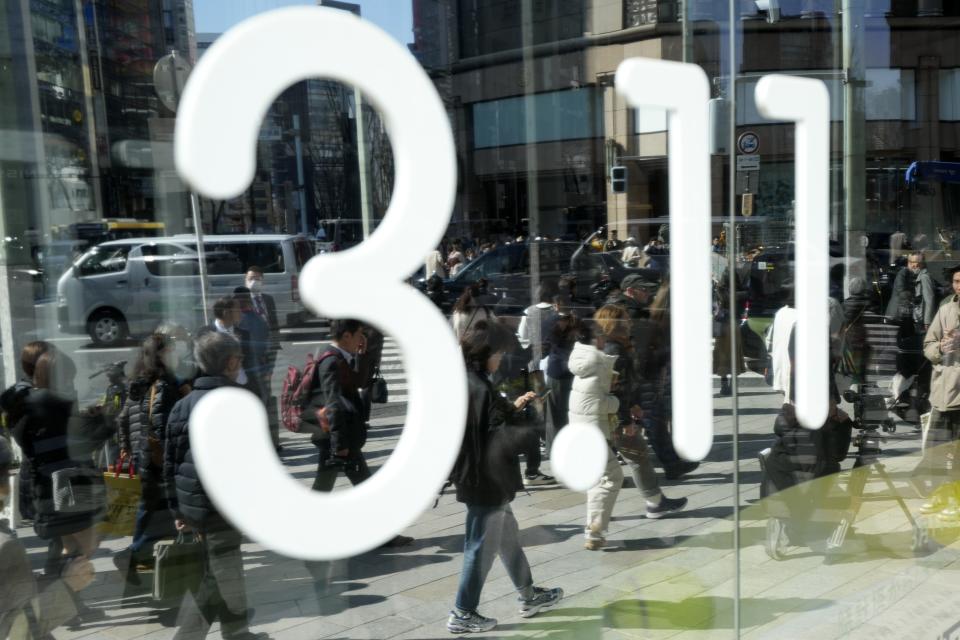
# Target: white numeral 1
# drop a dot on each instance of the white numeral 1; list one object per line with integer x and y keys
{"x": 682, "y": 90}
{"x": 806, "y": 101}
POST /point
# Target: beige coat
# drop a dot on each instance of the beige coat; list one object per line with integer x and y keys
{"x": 945, "y": 381}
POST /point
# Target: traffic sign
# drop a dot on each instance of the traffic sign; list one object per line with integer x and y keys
{"x": 748, "y": 163}
{"x": 748, "y": 142}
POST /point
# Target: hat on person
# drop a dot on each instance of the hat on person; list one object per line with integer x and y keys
{"x": 638, "y": 281}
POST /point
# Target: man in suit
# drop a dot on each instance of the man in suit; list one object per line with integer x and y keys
{"x": 227, "y": 314}
{"x": 264, "y": 306}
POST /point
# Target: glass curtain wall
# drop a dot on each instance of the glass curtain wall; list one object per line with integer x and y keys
{"x": 117, "y": 285}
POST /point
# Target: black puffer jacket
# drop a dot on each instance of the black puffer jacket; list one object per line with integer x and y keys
{"x": 54, "y": 436}
{"x": 140, "y": 420}
{"x": 185, "y": 493}
{"x": 487, "y": 471}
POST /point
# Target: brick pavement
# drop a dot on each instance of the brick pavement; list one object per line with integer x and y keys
{"x": 668, "y": 578}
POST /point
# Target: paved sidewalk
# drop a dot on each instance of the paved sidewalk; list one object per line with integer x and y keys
{"x": 673, "y": 577}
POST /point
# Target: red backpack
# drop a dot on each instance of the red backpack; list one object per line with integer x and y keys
{"x": 297, "y": 386}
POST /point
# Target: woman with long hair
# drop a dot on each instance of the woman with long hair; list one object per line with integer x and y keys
{"x": 59, "y": 441}
{"x": 154, "y": 389}
{"x": 613, "y": 349}
{"x": 487, "y": 477}
{"x": 656, "y": 387}
{"x": 469, "y": 309}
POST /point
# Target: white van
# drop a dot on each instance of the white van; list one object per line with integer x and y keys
{"x": 125, "y": 288}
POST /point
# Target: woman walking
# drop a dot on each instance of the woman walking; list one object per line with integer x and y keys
{"x": 154, "y": 390}
{"x": 604, "y": 394}
{"x": 487, "y": 478}
{"x": 59, "y": 441}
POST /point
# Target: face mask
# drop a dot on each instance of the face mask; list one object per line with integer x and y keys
{"x": 255, "y": 285}
{"x": 182, "y": 350}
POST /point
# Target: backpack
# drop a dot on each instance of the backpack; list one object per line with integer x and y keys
{"x": 296, "y": 391}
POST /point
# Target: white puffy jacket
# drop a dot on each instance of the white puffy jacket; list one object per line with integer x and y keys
{"x": 590, "y": 399}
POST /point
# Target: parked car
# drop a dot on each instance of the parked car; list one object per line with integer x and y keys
{"x": 507, "y": 270}
{"x": 124, "y": 288}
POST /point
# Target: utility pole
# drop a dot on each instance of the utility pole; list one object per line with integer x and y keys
{"x": 854, "y": 147}
{"x": 301, "y": 187}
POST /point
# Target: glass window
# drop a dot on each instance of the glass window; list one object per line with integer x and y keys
{"x": 560, "y": 115}
{"x": 237, "y": 257}
{"x": 105, "y": 259}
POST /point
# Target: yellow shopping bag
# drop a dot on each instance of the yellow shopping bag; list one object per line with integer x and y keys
{"x": 123, "y": 496}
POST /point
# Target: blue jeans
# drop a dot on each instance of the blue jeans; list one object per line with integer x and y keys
{"x": 491, "y": 532}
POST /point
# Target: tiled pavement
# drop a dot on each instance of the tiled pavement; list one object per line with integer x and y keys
{"x": 669, "y": 578}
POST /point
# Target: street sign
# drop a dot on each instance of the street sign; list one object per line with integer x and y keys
{"x": 748, "y": 163}
{"x": 170, "y": 77}
{"x": 748, "y": 142}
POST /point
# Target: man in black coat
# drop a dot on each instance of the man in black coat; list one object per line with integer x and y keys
{"x": 222, "y": 593}
{"x": 336, "y": 415}
{"x": 264, "y": 306}
{"x": 227, "y": 314}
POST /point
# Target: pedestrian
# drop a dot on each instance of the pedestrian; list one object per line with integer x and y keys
{"x": 434, "y": 266}
{"x": 27, "y": 612}
{"x": 334, "y": 415}
{"x": 853, "y": 344}
{"x": 266, "y": 308}
{"x": 536, "y": 322}
{"x": 941, "y": 346}
{"x": 222, "y": 593}
{"x": 13, "y": 406}
{"x": 59, "y": 441}
{"x": 912, "y": 306}
{"x": 257, "y": 354}
{"x": 722, "y": 365}
{"x": 632, "y": 255}
{"x": 227, "y": 314}
{"x": 142, "y": 424}
{"x": 654, "y": 370}
{"x": 469, "y": 309}
{"x": 604, "y": 394}
{"x": 559, "y": 381}
{"x": 487, "y": 477}
{"x": 612, "y": 243}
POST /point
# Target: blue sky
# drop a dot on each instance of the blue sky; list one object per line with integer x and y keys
{"x": 216, "y": 16}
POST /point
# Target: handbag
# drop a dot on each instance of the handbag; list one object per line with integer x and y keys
{"x": 123, "y": 499}
{"x": 632, "y": 447}
{"x": 78, "y": 490}
{"x": 177, "y": 566}
{"x": 378, "y": 388}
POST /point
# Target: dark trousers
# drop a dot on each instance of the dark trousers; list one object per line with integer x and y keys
{"x": 491, "y": 532}
{"x": 222, "y": 594}
{"x": 153, "y": 523}
{"x": 354, "y": 467}
{"x": 557, "y": 407}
